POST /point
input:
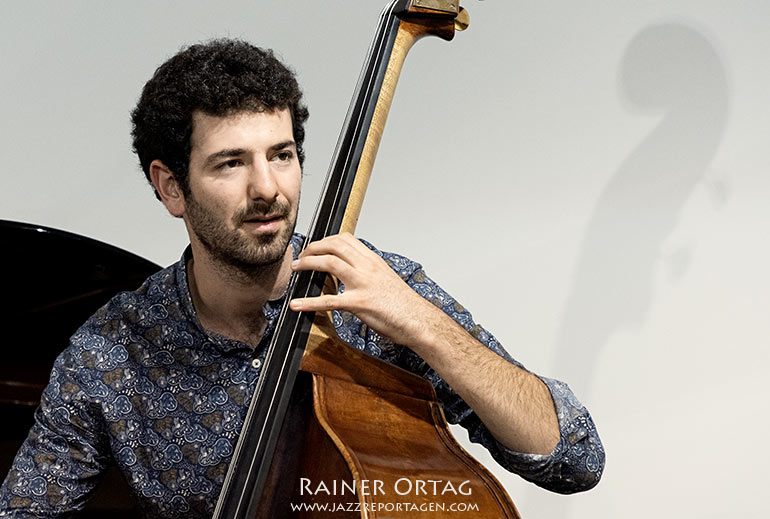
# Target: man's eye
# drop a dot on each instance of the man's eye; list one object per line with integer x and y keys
{"x": 233, "y": 163}
{"x": 284, "y": 156}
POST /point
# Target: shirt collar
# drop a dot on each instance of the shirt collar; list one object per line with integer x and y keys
{"x": 271, "y": 309}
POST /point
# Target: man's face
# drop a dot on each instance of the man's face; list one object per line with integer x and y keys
{"x": 244, "y": 187}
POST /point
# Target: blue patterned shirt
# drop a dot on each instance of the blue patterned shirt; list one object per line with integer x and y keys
{"x": 143, "y": 385}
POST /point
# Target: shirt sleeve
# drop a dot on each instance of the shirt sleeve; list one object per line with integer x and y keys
{"x": 575, "y": 464}
{"x": 61, "y": 461}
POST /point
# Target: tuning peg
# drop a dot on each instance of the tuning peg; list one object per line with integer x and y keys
{"x": 462, "y": 20}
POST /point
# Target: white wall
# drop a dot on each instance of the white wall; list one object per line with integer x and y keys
{"x": 590, "y": 178}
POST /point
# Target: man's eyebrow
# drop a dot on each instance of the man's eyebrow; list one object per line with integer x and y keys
{"x": 283, "y": 145}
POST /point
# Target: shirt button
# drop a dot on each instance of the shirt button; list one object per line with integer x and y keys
{"x": 256, "y": 363}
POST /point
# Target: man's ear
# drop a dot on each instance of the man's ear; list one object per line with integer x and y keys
{"x": 167, "y": 187}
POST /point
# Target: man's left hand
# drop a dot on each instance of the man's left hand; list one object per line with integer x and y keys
{"x": 372, "y": 290}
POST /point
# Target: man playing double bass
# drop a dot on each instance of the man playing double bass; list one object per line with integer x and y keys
{"x": 158, "y": 380}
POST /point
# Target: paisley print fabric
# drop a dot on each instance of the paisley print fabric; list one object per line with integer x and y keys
{"x": 144, "y": 386}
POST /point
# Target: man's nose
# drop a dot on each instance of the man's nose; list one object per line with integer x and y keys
{"x": 262, "y": 184}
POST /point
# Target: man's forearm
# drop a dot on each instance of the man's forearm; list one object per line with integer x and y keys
{"x": 513, "y": 404}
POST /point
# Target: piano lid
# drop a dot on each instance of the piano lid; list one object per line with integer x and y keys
{"x": 52, "y": 282}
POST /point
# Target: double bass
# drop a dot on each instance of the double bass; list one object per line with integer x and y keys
{"x": 324, "y": 413}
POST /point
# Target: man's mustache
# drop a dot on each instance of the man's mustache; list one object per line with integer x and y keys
{"x": 261, "y": 209}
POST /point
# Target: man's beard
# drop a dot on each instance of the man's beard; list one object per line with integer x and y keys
{"x": 245, "y": 252}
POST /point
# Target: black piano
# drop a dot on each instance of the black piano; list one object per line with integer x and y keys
{"x": 52, "y": 282}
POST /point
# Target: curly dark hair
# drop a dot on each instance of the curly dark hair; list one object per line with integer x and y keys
{"x": 219, "y": 77}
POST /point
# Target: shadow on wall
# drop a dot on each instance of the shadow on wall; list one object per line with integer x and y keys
{"x": 674, "y": 70}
